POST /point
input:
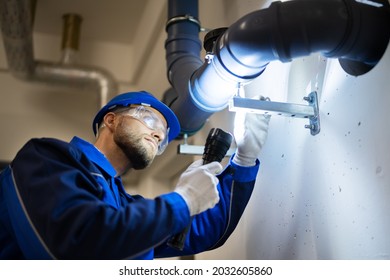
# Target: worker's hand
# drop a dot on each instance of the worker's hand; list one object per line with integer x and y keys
{"x": 250, "y": 134}
{"x": 198, "y": 186}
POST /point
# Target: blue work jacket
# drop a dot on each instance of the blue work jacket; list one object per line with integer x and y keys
{"x": 62, "y": 200}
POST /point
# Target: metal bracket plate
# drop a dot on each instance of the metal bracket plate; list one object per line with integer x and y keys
{"x": 258, "y": 106}
{"x": 186, "y": 149}
{"x": 310, "y": 111}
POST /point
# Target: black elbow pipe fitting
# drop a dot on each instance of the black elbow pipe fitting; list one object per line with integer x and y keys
{"x": 346, "y": 29}
{"x": 369, "y": 36}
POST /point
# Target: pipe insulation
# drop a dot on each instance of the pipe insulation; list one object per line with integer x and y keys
{"x": 16, "y": 25}
{"x": 354, "y": 31}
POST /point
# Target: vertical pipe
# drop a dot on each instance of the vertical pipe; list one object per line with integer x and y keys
{"x": 16, "y": 26}
{"x": 70, "y": 37}
{"x": 183, "y": 59}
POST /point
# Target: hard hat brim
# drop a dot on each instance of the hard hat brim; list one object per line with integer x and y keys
{"x": 141, "y": 98}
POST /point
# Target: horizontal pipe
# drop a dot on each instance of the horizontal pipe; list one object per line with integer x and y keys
{"x": 345, "y": 29}
{"x": 77, "y": 76}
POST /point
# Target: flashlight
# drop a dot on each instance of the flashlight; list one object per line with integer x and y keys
{"x": 217, "y": 144}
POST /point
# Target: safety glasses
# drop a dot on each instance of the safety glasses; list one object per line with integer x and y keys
{"x": 150, "y": 120}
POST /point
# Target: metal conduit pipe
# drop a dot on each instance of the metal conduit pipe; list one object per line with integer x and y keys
{"x": 79, "y": 76}
{"x": 16, "y": 26}
{"x": 355, "y": 31}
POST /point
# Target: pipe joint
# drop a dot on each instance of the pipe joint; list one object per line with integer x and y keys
{"x": 183, "y": 18}
{"x": 235, "y": 68}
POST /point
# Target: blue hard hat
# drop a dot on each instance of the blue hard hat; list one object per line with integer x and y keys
{"x": 140, "y": 97}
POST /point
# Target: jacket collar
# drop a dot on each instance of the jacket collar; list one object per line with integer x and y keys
{"x": 94, "y": 155}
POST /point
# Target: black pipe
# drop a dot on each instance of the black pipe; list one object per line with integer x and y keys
{"x": 354, "y": 31}
{"x": 183, "y": 49}
{"x": 344, "y": 29}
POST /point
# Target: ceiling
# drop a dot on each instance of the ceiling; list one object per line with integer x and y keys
{"x": 114, "y": 21}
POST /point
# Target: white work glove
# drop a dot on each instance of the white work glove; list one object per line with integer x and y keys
{"x": 250, "y": 134}
{"x": 198, "y": 186}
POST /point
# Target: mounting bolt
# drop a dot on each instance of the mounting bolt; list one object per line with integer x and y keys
{"x": 209, "y": 58}
{"x": 310, "y": 126}
{"x": 308, "y": 99}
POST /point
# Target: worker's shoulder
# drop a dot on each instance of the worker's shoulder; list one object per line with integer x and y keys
{"x": 46, "y": 145}
{"x": 46, "y": 142}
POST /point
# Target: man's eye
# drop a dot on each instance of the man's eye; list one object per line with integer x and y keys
{"x": 148, "y": 121}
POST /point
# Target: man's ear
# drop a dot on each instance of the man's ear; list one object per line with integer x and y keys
{"x": 109, "y": 120}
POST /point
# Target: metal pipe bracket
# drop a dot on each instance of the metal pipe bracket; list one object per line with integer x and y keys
{"x": 258, "y": 106}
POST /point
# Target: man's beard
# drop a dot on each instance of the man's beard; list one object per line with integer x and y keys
{"x": 132, "y": 147}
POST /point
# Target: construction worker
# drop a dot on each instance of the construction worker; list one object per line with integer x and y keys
{"x": 62, "y": 200}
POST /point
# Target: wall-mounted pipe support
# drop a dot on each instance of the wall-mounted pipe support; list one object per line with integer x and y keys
{"x": 267, "y": 107}
{"x": 310, "y": 111}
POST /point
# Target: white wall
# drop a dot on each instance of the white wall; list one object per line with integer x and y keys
{"x": 324, "y": 196}
{"x": 327, "y": 196}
